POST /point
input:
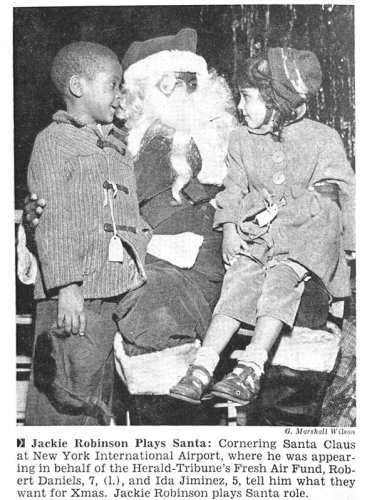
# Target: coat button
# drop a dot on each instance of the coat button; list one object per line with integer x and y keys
{"x": 278, "y": 178}
{"x": 278, "y": 157}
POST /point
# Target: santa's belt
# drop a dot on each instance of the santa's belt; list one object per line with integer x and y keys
{"x": 195, "y": 192}
{"x": 197, "y": 203}
{"x": 158, "y": 208}
{"x": 132, "y": 229}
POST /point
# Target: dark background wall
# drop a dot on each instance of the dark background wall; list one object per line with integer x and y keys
{"x": 225, "y": 34}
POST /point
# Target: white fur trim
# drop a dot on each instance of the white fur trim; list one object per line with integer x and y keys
{"x": 156, "y": 372}
{"x": 166, "y": 61}
{"x": 304, "y": 349}
{"x": 181, "y": 249}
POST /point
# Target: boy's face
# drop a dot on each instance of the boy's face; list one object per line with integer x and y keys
{"x": 101, "y": 95}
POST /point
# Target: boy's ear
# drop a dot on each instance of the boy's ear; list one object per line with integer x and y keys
{"x": 76, "y": 86}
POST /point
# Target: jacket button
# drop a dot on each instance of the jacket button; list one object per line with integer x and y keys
{"x": 278, "y": 157}
{"x": 278, "y": 178}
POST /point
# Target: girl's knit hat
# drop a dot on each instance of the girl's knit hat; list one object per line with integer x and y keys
{"x": 296, "y": 75}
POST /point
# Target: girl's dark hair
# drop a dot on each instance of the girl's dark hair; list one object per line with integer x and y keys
{"x": 255, "y": 72}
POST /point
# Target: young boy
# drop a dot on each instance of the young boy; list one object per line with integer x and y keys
{"x": 91, "y": 240}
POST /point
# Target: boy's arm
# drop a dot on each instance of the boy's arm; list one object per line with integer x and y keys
{"x": 235, "y": 186}
{"x": 55, "y": 233}
{"x": 334, "y": 167}
{"x": 57, "y": 248}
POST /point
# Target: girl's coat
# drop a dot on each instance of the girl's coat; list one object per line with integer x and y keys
{"x": 309, "y": 228}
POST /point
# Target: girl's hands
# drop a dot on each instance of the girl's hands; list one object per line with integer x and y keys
{"x": 232, "y": 244}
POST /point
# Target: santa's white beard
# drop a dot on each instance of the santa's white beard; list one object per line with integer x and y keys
{"x": 205, "y": 116}
{"x": 179, "y": 151}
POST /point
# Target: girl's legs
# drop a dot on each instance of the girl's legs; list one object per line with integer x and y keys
{"x": 243, "y": 384}
{"x": 237, "y": 295}
{"x": 221, "y": 330}
{"x": 192, "y": 386}
{"x": 277, "y": 306}
{"x": 266, "y": 332}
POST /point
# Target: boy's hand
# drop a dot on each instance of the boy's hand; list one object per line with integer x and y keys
{"x": 232, "y": 244}
{"x": 33, "y": 209}
{"x": 71, "y": 314}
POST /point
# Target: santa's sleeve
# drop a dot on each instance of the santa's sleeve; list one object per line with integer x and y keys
{"x": 235, "y": 184}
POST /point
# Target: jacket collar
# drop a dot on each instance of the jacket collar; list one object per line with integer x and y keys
{"x": 62, "y": 116}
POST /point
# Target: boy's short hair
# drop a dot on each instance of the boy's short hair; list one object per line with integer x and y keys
{"x": 79, "y": 58}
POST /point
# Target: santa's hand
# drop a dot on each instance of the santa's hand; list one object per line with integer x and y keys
{"x": 33, "y": 209}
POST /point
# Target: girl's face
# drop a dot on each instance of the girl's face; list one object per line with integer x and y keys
{"x": 252, "y": 107}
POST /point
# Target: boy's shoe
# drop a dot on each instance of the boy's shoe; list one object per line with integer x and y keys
{"x": 191, "y": 388}
{"x": 240, "y": 387}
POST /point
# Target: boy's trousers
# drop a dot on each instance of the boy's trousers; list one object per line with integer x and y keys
{"x": 72, "y": 376}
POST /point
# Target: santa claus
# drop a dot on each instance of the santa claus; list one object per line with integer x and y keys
{"x": 179, "y": 115}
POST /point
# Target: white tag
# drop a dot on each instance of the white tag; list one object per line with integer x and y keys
{"x": 115, "y": 250}
{"x": 267, "y": 215}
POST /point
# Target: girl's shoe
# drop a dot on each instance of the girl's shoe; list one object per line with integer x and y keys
{"x": 191, "y": 388}
{"x": 240, "y": 386}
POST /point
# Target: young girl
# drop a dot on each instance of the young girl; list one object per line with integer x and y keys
{"x": 287, "y": 215}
